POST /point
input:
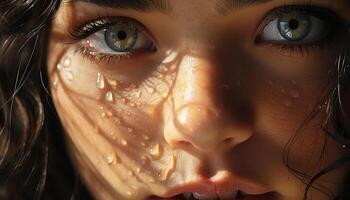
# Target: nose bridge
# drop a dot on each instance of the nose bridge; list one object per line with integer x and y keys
{"x": 196, "y": 116}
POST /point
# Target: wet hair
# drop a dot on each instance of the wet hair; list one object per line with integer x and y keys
{"x": 34, "y": 163}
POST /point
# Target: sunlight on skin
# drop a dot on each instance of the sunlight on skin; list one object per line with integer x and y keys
{"x": 142, "y": 125}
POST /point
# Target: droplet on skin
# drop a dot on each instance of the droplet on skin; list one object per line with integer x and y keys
{"x": 150, "y": 90}
{"x": 151, "y": 180}
{"x": 109, "y": 96}
{"x": 123, "y": 142}
{"x": 130, "y": 130}
{"x": 70, "y": 75}
{"x": 111, "y": 159}
{"x": 145, "y": 137}
{"x": 155, "y": 151}
{"x": 67, "y": 62}
{"x": 129, "y": 193}
{"x": 109, "y": 114}
{"x": 113, "y": 83}
{"x": 294, "y": 93}
{"x": 138, "y": 170}
{"x": 103, "y": 115}
{"x": 59, "y": 66}
{"x": 100, "y": 81}
{"x": 130, "y": 173}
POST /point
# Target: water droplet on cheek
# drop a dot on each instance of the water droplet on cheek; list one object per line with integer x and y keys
{"x": 112, "y": 159}
{"x": 100, "y": 81}
{"x": 67, "y": 62}
{"x": 70, "y": 75}
{"x": 123, "y": 142}
{"x": 109, "y": 96}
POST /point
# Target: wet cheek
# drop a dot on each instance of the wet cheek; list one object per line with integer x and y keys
{"x": 117, "y": 121}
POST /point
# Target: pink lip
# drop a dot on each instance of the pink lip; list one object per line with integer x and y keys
{"x": 218, "y": 186}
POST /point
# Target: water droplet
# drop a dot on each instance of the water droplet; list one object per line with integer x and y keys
{"x": 138, "y": 170}
{"x": 59, "y": 66}
{"x": 294, "y": 93}
{"x": 145, "y": 137}
{"x": 129, "y": 193}
{"x": 67, "y": 62}
{"x": 130, "y": 173}
{"x": 100, "y": 81}
{"x": 150, "y": 90}
{"x": 288, "y": 103}
{"x": 70, "y": 75}
{"x": 155, "y": 151}
{"x": 123, "y": 142}
{"x": 109, "y": 96}
{"x": 151, "y": 180}
{"x": 109, "y": 114}
{"x": 113, "y": 83}
{"x": 130, "y": 130}
{"x": 160, "y": 76}
{"x": 111, "y": 159}
{"x": 103, "y": 115}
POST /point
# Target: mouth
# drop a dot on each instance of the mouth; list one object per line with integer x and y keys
{"x": 235, "y": 195}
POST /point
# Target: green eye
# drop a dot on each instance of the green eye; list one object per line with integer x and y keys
{"x": 121, "y": 37}
{"x": 294, "y": 27}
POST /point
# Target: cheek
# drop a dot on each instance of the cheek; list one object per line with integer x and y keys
{"x": 114, "y": 122}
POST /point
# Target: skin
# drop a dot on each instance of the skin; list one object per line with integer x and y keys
{"x": 210, "y": 104}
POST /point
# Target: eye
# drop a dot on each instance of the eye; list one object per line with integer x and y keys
{"x": 296, "y": 25}
{"x": 123, "y": 37}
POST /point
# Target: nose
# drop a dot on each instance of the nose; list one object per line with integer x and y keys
{"x": 197, "y": 115}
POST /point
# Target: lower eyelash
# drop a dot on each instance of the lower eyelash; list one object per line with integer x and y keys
{"x": 101, "y": 57}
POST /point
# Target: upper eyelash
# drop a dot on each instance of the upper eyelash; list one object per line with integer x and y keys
{"x": 84, "y": 31}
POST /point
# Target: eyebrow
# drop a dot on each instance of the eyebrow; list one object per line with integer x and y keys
{"x": 222, "y": 6}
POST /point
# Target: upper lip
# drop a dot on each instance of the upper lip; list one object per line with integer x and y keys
{"x": 223, "y": 184}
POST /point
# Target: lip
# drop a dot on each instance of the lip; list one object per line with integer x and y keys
{"x": 220, "y": 184}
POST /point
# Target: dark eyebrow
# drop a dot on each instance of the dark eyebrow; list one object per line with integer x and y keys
{"x": 225, "y": 6}
{"x": 140, "y": 5}
{"x": 222, "y": 6}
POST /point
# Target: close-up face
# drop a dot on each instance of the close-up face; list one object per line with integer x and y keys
{"x": 198, "y": 99}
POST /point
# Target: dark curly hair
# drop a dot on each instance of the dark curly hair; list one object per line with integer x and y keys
{"x": 33, "y": 161}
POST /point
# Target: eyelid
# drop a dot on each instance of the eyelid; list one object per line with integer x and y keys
{"x": 86, "y": 29}
{"x": 320, "y": 12}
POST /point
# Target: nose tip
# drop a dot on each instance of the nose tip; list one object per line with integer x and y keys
{"x": 199, "y": 126}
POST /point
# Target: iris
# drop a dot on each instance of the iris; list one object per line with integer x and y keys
{"x": 294, "y": 27}
{"x": 121, "y": 37}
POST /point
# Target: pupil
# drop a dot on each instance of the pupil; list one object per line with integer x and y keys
{"x": 121, "y": 35}
{"x": 293, "y": 24}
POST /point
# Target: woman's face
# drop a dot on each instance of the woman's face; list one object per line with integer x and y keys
{"x": 162, "y": 98}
